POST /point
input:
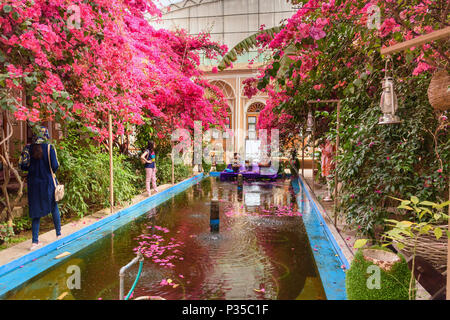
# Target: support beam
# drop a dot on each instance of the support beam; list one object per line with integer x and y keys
{"x": 432, "y": 36}
{"x": 336, "y": 181}
{"x": 336, "y": 176}
{"x": 111, "y": 164}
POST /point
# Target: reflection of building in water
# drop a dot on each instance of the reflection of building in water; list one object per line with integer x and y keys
{"x": 240, "y": 194}
{"x": 214, "y": 220}
{"x": 252, "y": 199}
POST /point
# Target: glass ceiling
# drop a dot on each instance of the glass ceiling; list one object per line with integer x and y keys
{"x": 165, "y": 3}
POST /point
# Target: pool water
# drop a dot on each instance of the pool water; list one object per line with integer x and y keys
{"x": 257, "y": 249}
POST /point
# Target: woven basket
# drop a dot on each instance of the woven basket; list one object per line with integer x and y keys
{"x": 429, "y": 248}
{"x": 438, "y": 91}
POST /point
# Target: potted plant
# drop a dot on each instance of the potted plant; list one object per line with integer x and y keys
{"x": 425, "y": 236}
{"x": 377, "y": 273}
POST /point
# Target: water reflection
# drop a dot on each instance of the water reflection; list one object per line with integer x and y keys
{"x": 249, "y": 254}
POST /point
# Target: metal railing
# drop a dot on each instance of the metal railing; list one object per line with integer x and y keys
{"x": 139, "y": 258}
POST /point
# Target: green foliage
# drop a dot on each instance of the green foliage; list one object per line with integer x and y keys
{"x": 5, "y": 233}
{"x": 146, "y": 133}
{"x": 428, "y": 215}
{"x": 164, "y": 170}
{"x": 206, "y": 167}
{"x": 410, "y": 158}
{"x": 220, "y": 167}
{"x": 245, "y": 45}
{"x": 22, "y": 224}
{"x": 399, "y": 160}
{"x": 394, "y": 284}
{"x": 84, "y": 170}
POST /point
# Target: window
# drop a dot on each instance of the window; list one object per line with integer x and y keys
{"x": 252, "y": 118}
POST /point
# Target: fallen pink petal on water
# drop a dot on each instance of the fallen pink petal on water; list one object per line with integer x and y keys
{"x": 163, "y": 282}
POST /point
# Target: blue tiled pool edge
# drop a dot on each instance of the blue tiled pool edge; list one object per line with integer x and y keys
{"x": 327, "y": 254}
{"x": 9, "y": 281}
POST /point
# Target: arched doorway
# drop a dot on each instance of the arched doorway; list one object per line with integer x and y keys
{"x": 252, "y": 142}
{"x": 227, "y": 139}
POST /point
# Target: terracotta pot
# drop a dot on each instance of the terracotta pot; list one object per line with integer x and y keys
{"x": 384, "y": 259}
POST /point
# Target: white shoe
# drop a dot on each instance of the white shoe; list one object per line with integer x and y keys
{"x": 58, "y": 237}
{"x": 34, "y": 246}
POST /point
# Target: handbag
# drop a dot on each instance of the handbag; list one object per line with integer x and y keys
{"x": 59, "y": 188}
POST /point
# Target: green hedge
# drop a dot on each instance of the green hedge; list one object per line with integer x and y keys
{"x": 85, "y": 174}
{"x": 393, "y": 284}
{"x": 164, "y": 171}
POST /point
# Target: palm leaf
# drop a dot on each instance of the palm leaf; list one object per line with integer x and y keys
{"x": 245, "y": 45}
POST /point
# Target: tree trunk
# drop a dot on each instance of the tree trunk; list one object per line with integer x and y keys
{"x": 173, "y": 165}
{"x": 8, "y": 168}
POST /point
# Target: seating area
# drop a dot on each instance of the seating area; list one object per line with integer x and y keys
{"x": 253, "y": 173}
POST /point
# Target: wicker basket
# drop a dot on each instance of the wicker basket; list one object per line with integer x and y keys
{"x": 438, "y": 91}
{"x": 429, "y": 248}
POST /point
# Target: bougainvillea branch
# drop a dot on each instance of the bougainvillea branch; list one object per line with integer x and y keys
{"x": 112, "y": 60}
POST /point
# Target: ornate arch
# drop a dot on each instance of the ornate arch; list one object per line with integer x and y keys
{"x": 255, "y": 107}
{"x": 255, "y": 104}
{"x": 226, "y": 88}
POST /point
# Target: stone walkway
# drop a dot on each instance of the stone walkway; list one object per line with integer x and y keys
{"x": 21, "y": 249}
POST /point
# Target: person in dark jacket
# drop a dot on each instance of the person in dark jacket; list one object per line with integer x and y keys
{"x": 41, "y": 187}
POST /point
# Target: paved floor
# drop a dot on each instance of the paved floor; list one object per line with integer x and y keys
{"x": 21, "y": 249}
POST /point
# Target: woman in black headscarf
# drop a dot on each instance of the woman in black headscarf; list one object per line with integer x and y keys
{"x": 37, "y": 159}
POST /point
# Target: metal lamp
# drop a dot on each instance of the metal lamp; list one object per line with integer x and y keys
{"x": 388, "y": 103}
{"x": 309, "y": 123}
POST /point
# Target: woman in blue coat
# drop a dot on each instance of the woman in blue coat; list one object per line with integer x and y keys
{"x": 41, "y": 188}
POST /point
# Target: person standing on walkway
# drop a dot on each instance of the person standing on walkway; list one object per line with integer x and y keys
{"x": 149, "y": 160}
{"x": 41, "y": 188}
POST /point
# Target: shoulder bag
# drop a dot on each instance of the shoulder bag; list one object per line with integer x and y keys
{"x": 59, "y": 188}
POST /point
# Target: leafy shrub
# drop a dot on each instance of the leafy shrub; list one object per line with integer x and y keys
{"x": 206, "y": 167}
{"x": 164, "y": 171}
{"x": 220, "y": 167}
{"x": 22, "y": 224}
{"x": 85, "y": 173}
{"x": 84, "y": 170}
{"x": 394, "y": 284}
{"x": 5, "y": 233}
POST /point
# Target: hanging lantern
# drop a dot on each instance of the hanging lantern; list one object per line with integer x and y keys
{"x": 388, "y": 103}
{"x": 309, "y": 123}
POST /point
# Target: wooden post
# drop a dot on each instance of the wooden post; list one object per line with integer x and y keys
{"x": 313, "y": 133}
{"x": 435, "y": 35}
{"x": 448, "y": 247}
{"x": 303, "y": 155}
{"x": 173, "y": 165}
{"x": 336, "y": 178}
{"x": 111, "y": 164}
